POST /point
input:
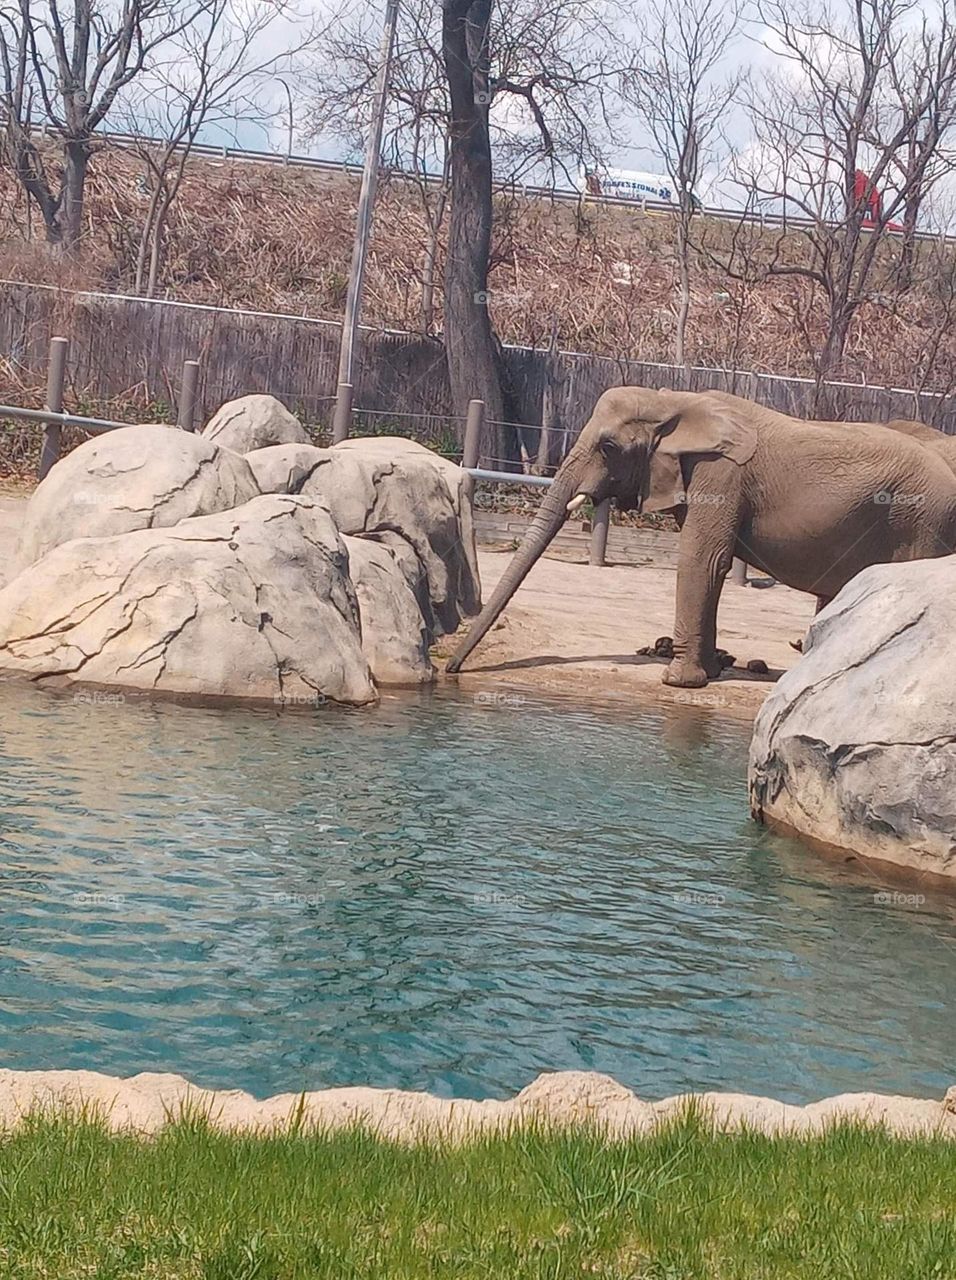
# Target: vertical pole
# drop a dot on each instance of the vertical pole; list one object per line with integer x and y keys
{"x": 738, "y": 572}
{"x": 599, "y": 530}
{"x": 55, "y": 379}
{"x": 363, "y": 228}
{"x": 471, "y": 449}
{"x": 342, "y": 421}
{"x": 186, "y": 417}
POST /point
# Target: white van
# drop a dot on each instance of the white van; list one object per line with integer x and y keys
{"x": 625, "y": 184}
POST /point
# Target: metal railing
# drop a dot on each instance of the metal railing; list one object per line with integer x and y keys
{"x": 52, "y": 418}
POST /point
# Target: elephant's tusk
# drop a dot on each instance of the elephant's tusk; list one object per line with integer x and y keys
{"x": 577, "y": 503}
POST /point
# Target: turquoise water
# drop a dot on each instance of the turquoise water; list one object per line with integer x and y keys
{"x": 439, "y": 894}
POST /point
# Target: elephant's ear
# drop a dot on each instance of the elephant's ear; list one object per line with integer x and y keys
{"x": 665, "y": 483}
{"x": 704, "y": 424}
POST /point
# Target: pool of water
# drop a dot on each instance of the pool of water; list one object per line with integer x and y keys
{"x": 443, "y": 894}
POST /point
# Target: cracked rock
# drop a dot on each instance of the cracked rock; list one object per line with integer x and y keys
{"x": 395, "y": 638}
{"x": 856, "y": 745}
{"x": 252, "y": 603}
{"x": 146, "y": 477}
{"x": 284, "y": 468}
{"x": 253, "y": 423}
{"x": 389, "y": 485}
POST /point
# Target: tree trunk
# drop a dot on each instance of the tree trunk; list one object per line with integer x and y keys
{"x": 547, "y": 455}
{"x": 29, "y": 170}
{"x": 146, "y": 240}
{"x": 471, "y": 351}
{"x": 683, "y": 254}
{"x": 76, "y": 159}
{"x": 435, "y": 217}
{"x": 904, "y": 276}
{"x": 831, "y": 356}
{"x": 156, "y": 255}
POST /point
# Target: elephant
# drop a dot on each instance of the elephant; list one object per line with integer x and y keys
{"x": 940, "y": 443}
{"x": 808, "y": 503}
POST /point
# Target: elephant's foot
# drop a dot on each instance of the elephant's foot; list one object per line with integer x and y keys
{"x": 685, "y": 674}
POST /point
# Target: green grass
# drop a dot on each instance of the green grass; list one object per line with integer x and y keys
{"x": 535, "y": 1205}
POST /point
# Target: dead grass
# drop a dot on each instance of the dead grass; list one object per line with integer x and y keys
{"x": 276, "y": 239}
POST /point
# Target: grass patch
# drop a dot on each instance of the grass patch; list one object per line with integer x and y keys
{"x": 533, "y": 1205}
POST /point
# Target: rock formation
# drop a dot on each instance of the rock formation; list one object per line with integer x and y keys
{"x": 157, "y": 560}
{"x": 251, "y": 603}
{"x": 254, "y": 422}
{"x": 856, "y": 746}
{"x": 147, "y": 477}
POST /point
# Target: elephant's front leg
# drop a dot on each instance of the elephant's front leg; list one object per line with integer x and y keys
{"x": 704, "y": 559}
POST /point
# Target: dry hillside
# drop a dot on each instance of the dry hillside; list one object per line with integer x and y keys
{"x": 279, "y": 239}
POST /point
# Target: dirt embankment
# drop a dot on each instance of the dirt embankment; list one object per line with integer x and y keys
{"x": 605, "y": 279}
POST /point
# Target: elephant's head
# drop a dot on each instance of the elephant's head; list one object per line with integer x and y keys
{"x": 630, "y": 450}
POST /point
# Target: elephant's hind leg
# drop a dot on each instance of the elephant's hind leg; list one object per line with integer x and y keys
{"x": 822, "y": 602}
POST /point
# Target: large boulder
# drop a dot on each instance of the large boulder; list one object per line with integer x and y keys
{"x": 388, "y": 484}
{"x": 252, "y": 603}
{"x": 395, "y": 638}
{"x": 147, "y": 477}
{"x": 284, "y": 468}
{"x": 254, "y": 422}
{"x": 856, "y": 746}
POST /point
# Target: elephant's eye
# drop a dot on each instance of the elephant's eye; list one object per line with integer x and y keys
{"x": 609, "y": 447}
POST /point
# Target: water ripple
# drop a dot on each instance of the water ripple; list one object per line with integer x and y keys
{"x": 437, "y": 894}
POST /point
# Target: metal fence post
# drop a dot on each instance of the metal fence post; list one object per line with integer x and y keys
{"x": 471, "y": 446}
{"x": 599, "y": 531}
{"x": 738, "y": 572}
{"x": 55, "y": 379}
{"x": 186, "y": 416}
{"x": 342, "y": 421}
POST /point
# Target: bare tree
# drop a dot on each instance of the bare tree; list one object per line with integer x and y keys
{"x": 920, "y": 93}
{"x": 415, "y": 137}
{"x": 681, "y": 91}
{"x": 66, "y": 73}
{"x": 218, "y": 70}
{"x": 859, "y": 93}
{"x": 483, "y": 93}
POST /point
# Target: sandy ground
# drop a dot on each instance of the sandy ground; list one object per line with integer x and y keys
{"x": 145, "y": 1103}
{"x": 575, "y": 629}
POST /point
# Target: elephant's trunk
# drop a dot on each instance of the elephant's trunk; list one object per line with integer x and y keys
{"x": 550, "y": 517}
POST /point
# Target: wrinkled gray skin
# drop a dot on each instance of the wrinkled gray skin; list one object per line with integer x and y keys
{"x": 929, "y": 437}
{"x": 808, "y": 503}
